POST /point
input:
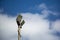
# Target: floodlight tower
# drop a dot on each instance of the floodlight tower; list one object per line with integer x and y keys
{"x": 20, "y": 23}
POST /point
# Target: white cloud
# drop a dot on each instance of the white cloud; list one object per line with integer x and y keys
{"x": 57, "y": 25}
{"x": 35, "y": 23}
{"x": 42, "y": 6}
{"x": 35, "y": 27}
{"x": 45, "y": 10}
{"x": 8, "y": 26}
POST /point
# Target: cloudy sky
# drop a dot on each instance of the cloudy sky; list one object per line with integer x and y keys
{"x": 42, "y": 19}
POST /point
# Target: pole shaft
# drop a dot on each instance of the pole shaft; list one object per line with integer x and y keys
{"x": 18, "y": 33}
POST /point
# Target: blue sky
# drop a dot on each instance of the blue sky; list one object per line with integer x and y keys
{"x": 13, "y": 7}
{"x": 46, "y": 11}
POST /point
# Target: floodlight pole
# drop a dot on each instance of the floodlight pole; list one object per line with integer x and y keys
{"x": 20, "y": 23}
{"x": 19, "y": 32}
{"x": 19, "y": 35}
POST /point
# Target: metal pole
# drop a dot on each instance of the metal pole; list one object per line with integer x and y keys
{"x": 19, "y": 36}
{"x": 20, "y": 23}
